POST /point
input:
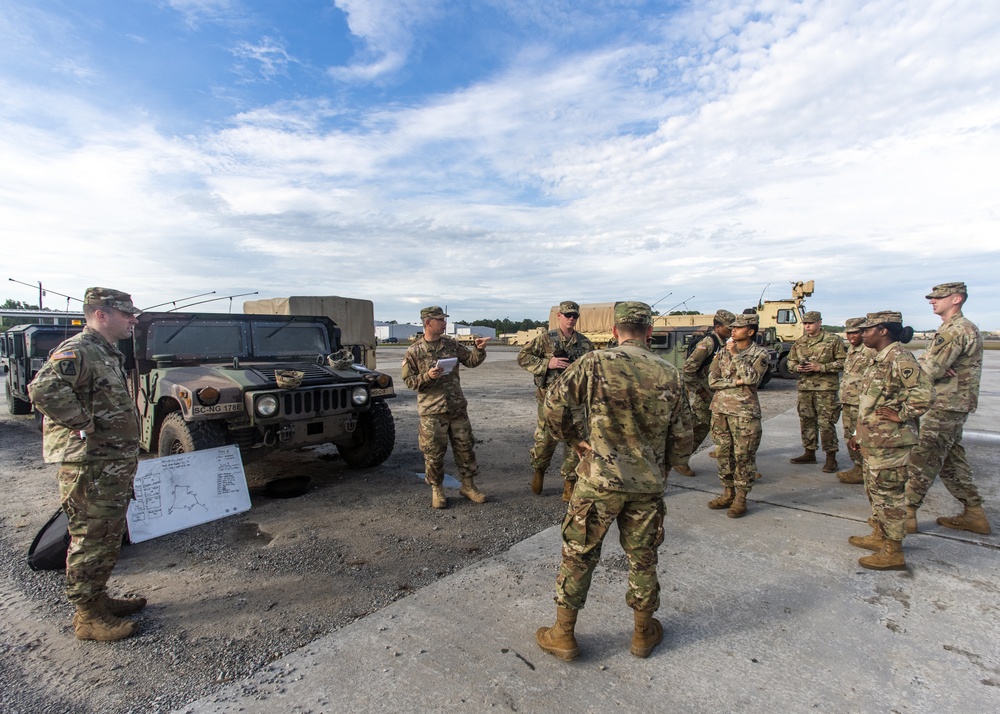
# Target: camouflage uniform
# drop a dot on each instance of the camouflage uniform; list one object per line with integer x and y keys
{"x": 857, "y": 361}
{"x": 534, "y": 358}
{"x": 736, "y": 414}
{"x": 957, "y": 346}
{"x": 628, "y": 405}
{"x": 695, "y": 372}
{"x": 818, "y": 404}
{"x": 442, "y": 406}
{"x": 82, "y": 386}
{"x": 894, "y": 380}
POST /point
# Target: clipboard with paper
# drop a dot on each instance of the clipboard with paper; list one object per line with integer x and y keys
{"x": 447, "y": 364}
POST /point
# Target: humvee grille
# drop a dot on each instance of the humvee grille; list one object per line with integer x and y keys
{"x": 310, "y": 402}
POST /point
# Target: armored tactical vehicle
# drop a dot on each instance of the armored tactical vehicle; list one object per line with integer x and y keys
{"x": 263, "y": 382}
{"x": 26, "y": 348}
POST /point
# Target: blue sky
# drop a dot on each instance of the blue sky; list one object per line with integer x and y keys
{"x": 498, "y": 156}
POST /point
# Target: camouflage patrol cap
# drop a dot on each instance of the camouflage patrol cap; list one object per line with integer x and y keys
{"x": 812, "y": 316}
{"x": 946, "y": 289}
{"x": 853, "y": 324}
{"x": 745, "y": 320}
{"x": 106, "y": 297}
{"x": 633, "y": 313}
{"x": 432, "y": 312}
{"x": 724, "y": 317}
{"x": 568, "y": 306}
{"x": 883, "y": 317}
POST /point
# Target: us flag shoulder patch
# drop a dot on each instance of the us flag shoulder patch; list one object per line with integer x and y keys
{"x": 68, "y": 354}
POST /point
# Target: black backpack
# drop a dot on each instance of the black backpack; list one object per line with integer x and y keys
{"x": 48, "y": 550}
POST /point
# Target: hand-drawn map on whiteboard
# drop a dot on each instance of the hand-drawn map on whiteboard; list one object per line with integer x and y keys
{"x": 176, "y": 492}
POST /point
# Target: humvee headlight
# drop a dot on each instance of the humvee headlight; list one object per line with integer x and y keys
{"x": 267, "y": 406}
{"x": 208, "y": 396}
{"x": 359, "y": 395}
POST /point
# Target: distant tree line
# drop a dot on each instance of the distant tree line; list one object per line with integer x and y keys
{"x": 507, "y": 325}
{"x": 8, "y": 322}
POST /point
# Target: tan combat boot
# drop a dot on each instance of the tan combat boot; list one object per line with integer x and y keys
{"x": 830, "y": 465}
{"x": 537, "y": 480}
{"x": 972, "y": 519}
{"x": 889, "y": 558}
{"x": 852, "y": 475}
{"x": 685, "y": 470}
{"x": 438, "y": 499}
{"x": 92, "y": 621}
{"x": 560, "y": 639}
{"x": 713, "y": 454}
{"x": 469, "y": 490}
{"x": 739, "y": 506}
{"x": 647, "y": 635}
{"x": 808, "y": 457}
{"x": 875, "y": 541}
{"x": 911, "y": 519}
{"x": 568, "y": 487}
{"x": 120, "y": 607}
{"x": 723, "y": 501}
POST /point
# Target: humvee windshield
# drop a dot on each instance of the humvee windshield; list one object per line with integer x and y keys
{"x": 289, "y": 339}
{"x": 223, "y": 339}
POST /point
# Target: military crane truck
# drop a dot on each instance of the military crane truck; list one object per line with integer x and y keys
{"x": 203, "y": 380}
{"x": 672, "y": 342}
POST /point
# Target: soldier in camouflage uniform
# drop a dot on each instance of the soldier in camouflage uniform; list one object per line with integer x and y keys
{"x": 858, "y": 359}
{"x": 546, "y": 357}
{"x": 441, "y": 405}
{"x": 954, "y": 362}
{"x": 734, "y": 375}
{"x": 818, "y": 358}
{"x": 894, "y": 392}
{"x": 91, "y": 429}
{"x": 623, "y": 410}
{"x": 695, "y": 371}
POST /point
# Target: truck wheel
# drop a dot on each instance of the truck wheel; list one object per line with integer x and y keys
{"x": 783, "y": 370}
{"x": 180, "y": 437}
{"x": 766, "y": 378}
{"x": 373, "y": 439}
{"x": 14, "y": 405}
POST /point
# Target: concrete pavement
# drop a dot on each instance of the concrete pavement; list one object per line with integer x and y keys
{"x": 766, "y": 613}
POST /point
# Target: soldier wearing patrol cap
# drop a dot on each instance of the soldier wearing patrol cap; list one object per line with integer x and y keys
{"x": 734, "y": 375}
{"x": 441, "y": 405}
{"x": 818, "y": 358}
{"x": 954, "y": 362}
{"x": 547, "y": 357}
{"x": 91, "y": 429}
{"x": 858, "y": 359}
{"x": 635, "y": 424}
{"x": 695, "y": 371}
{"x": 893, "y": 393}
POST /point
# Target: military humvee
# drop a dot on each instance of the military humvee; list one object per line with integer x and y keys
{"x": 203, "y": 380}
{"x": 26, "y": 348}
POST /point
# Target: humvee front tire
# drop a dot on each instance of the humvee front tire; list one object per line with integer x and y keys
{"x": 783, "y": 370}
{"x": 180, "y": 437}
{"x": 16, "y": 406}
{"x": 374, "y": 438}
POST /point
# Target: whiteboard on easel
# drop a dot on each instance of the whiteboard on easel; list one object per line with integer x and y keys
{"x": 176, "y": 492}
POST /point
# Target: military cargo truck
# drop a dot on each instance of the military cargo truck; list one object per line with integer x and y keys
{"x": 27, "y": 347}
{"x": 203, "y": 380}
{"x": 672, "y": 342}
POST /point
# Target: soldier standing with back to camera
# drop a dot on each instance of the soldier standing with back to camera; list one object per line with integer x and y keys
{"x": 695, "y": 371}
{"x": 859, "y": 358}
{"x": 635, "y": 425}
{"x": 954, "y": 362}
{"x": 546, "y": 357}
{"x": 91, "y": 430}
{"x": 818, "y": 358}
{"x": 441, "y": 405}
